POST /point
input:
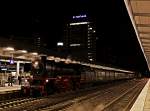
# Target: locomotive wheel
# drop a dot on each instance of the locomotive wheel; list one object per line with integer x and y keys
{"x": 49, "y": 88}
{"x": 36, "y": 93}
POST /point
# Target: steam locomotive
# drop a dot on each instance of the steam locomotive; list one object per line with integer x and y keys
{"x": 49, "y": 76}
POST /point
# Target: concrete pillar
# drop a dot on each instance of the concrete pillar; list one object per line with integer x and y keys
{"x": 18, "y": 67}
{"x": 23, "y": 69}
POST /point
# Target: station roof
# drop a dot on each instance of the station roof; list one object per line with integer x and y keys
{"x": 139, "y": 12}
{"x": 18, "y": 55}
{"x": 26, "y": 57}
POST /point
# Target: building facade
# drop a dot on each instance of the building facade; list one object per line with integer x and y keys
{"x": 80, "y": 38}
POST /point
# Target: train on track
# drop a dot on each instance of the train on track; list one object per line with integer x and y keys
{"x": 49, "y": 76}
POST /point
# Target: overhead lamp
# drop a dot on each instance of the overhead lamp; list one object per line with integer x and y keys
{"x": 42, "y": 55}
{"x": 78, "y": 62}
{"x": 22, "y": 57}
{"x": 57, "y": 59}
{"x": 51, "y": 57}
{"x": 68, "y": 61}
{"x": 62, "y": 59}
{"x": 9, "y": 49}
{"x": 35, "y": 53}
{"x": 74, "y": 62}
{"x": 23, "y": 51}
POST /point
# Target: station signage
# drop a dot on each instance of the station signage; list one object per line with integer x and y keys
{"x": 11, "y": 61}
{"x": 3, "y": 68}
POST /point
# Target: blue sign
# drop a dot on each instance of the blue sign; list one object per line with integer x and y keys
{"x": 79, "y": 16}
{"x": 11, "y": 61}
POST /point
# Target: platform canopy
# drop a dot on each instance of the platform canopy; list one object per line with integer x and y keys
{"x": 8, "y": 53}
{"x": 139, "y": 12}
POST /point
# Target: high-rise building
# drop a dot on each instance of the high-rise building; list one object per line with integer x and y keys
{"x": 80, "y": 38}
{"x": 36, "y": 24}
{"x": 37, "y": 40}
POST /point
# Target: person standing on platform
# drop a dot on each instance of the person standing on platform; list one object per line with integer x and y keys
{"x": 10, "y": 80}
{"x": 20, "y": 78}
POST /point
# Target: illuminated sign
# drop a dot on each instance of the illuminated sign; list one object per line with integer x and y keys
{"x": 11, "y": 61}
{"x": 79, "y": 16}
{"x": 60, "y": 44}
{"x": 79, "y": 23}
{"x": 3, "y": 68}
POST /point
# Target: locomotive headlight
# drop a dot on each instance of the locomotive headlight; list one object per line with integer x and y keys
{"x": 36, "y": 64}
{"x": 26, "y": 80}
{"x": 59, "y": 77}
{"x": 46, "y": 80}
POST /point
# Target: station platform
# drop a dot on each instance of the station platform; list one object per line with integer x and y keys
{"x": 142, "y": 103}
{"x": 7, "y": 88}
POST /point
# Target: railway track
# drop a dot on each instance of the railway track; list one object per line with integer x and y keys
{"x": 64, "y": 101}
{"x": 125, "y": 101}
{"x": 6, "y": 95}
{"x": 21, "y": 102}
{"x": 121, "y": 101}
{"x": 15, "y": 102}
{"x": 70, "y": 104}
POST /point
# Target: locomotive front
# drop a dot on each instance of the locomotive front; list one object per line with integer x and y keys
{"x": 50, "y": 76}
{"x": 37, "y": 84}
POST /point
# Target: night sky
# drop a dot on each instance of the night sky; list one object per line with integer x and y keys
{"x": 117, "y": 44}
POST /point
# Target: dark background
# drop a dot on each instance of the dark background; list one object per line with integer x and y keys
{"x": 117, "y": 44}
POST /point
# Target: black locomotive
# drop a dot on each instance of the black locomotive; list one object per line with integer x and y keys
{"x": 49, "y": 76}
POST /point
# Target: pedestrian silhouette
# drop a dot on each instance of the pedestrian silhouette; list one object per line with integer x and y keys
{"x": 10, "y": 80}
{"x": 20, "y": 80}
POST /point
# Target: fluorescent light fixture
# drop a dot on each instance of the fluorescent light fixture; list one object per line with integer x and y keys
{"x": 74, "y": 62}
{"x": 21, "y": 57}
{"x": 23, "y": 51}
{"x": 7, "y": 60}
{"x": 57, "y": 59}
{"x": 51, "y": 57}
{"x": 62, "y": 59}
{"x": 34, "y": 53}
{"x": 68, "y": 61}
{"x": 9, "y": 49}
